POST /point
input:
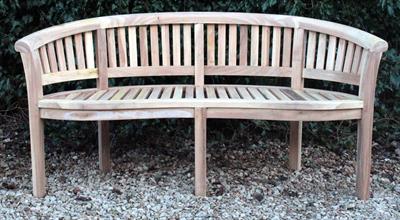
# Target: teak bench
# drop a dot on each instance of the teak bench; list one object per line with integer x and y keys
{"x": 201, "y": 44}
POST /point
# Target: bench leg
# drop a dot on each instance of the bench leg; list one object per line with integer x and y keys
{"x": 363, "y": 167}
{"x": 104, "y": 146}
{"x": 36, "y": 126}
{"x": 295, "y": 145}
{"x": 200, "y": 132}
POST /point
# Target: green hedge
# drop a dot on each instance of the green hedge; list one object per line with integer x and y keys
{"x": 19, "y": 18}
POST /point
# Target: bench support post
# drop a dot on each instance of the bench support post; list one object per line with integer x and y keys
{"x": 104, "y": 146}
{"x": 200, "y": 151}
{"x": 363, "y": 167}
{"x": 36, "y": 126}
{"x": 295, "y": 145}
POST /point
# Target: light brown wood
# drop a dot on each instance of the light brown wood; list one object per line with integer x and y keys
{"x": 155, "y": 52}
{"x": 297, "y": 83}
{"x": 210, "y": 45}
{"x": 330, "y": 60}
{"x": 40, "y": 38}
{"x": 232, "y": 44}
{"x": 83, "y": 115}
{"x": 44, "y": 59}
{"x": 32, "y": 68}
{"x": 254, "y": 45}
{"x": 287, "y": 47}
{"x": 133, "y": 49}
{"x": 52, "y": 57}
{"x": 334, "y": 76}
{"x": 349, "y": 58}
{"x": 79, "y": 51}
{"x": 187, "y": 45}
{"x": 60, "y": 55}
{"x": 200, "y": 123}
{"x": 176, "y": 44}
{"x": 166, "y": 56}
{"x": 265, "y": 45}
{"x": 89, "y": 49}
{"x": 311, "y": 46}
{"x": 356, "y": 59}
{"x": 70, "y": 53}
{"x": 276, "y": 46}
{"x": 122, "y": 54}
{"x": 102, "y": 84}
{"x": 221, "y": 44}
{"x": 199, "y": 54}
{"x": 340, "y": 55}
{"x": 365, "y": 125}
{"x": 144, "y": 57}
{"x": 111, "y": 51}
{"x": 321, "y": 54}
{"x": 244, "y": 35}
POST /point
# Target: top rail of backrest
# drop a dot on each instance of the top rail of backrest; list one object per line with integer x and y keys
{"x": 40, "y": 38}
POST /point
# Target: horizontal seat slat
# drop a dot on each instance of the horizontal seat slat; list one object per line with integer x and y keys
{"x": 209, "y": 96}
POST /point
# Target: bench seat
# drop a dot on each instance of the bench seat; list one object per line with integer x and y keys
{"x": 208, "y": 96}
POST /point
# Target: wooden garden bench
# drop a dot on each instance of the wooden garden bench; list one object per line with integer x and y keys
{"x": 201, "y": 45}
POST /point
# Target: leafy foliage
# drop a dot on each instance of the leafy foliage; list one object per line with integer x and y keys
{"x": 19, "y": 18}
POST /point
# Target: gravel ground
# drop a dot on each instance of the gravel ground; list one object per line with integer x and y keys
{"x": 156, "y": 182}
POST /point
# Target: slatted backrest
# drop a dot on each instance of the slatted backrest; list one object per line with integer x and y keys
{"x": 150, "y": 50}
{"x": 332, "y": 58}
{"x": 201, "y": 44}
{"x": 248, "y": 50}
{"x": 69, "y": 58}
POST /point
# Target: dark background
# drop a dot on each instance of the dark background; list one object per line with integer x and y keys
{"x": 20, "y": 18}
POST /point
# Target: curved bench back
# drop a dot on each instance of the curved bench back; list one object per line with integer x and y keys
{"x": 200, "y": 44}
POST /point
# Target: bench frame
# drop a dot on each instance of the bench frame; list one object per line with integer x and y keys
{"x": 31, "y": 46}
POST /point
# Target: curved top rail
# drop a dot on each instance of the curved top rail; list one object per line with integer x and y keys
{"x": 39, "y": 38}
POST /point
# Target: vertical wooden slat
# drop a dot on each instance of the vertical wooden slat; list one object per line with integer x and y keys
{"x": 89, "y": 49}
{"x": 133, "y": 50}
{"x": 265, "y": 42}
{"x": 311, "y": 45}
{"x": 187, "y": 45}
{"x": 165, "y": 45}
{"x": 349, "y": 57}
{"x": 254, "y": 45}
{"x": 210, "y": 45}
{"x": 200, "y": 121}
{"x": 287, "y": 46}
{"x": 363, "y": 60}
{"x": 155, "y": 52}
{"x": 60, "y": 55}
{"x": 111, "y": 51}
{"x": 297, "y": 61}
{"x": 244, "y": 34}
{"x": 221, "y": 44}
{"x": 276, "y": 46}
{"x": 356, "y": 59}
{"x": 102, "y": 84}
{"x": 80, "y": 54}
{"x": 44, "y": 59}
{"x": 144, "y": 57}
{"x": 176, "y": 44}
{"x": 321, "y": 51}
{"x": 340, "y": 55}
{"x": 52, "y": 57}
{"x": 122, "y": 54}
{"x": 101, "y": 58}
{"x": 232, "y": 44}
{"x": 296, "y": 127}
{"x": 330, "y": 60}
{"x": 69, "y": 48}
{"x": 199, "y": 54}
